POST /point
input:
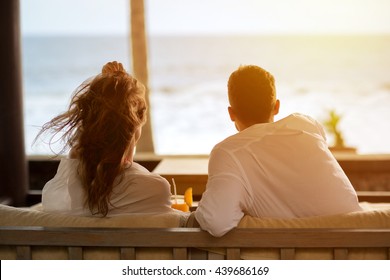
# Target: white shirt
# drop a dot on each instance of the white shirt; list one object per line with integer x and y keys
{"x": 282, "y": 169}
{"x": 139, "y": 191}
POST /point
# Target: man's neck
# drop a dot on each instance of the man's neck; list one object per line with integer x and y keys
{"x": 241, "y": 125}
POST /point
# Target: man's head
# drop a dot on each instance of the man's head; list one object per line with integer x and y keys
{"x": 252, "y": 96}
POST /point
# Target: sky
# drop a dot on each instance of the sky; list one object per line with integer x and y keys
{"x": 83, "y": 17}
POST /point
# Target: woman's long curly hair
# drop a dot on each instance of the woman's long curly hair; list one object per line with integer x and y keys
{"x": 99, "y": 127}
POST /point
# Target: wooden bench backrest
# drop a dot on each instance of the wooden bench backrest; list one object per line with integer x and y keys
{"x": 183, "y": 240}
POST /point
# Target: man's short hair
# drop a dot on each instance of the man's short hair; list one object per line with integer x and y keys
{"x": 252, "y": 94}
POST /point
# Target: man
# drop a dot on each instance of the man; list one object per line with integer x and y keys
{"x": 280, "y": 169}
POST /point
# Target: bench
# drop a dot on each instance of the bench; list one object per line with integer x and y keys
{"x": 32, "y": 234}
{"x": 193, "y": 243}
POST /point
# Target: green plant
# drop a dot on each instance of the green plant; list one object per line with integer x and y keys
{"x": 332, "y": 125}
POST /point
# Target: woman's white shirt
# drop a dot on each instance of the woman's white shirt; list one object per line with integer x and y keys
{"x": 136, "y": 191}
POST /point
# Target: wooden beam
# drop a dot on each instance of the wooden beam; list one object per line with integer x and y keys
{"x": 13, "y": 164}
{"x": 140, "y": 67}
{"x": 194, "y": 237}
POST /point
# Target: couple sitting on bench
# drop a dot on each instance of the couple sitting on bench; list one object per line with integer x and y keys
{"x": 275, "y": 169}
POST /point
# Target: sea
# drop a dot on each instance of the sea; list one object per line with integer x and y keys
{"x": 349, "y": 74}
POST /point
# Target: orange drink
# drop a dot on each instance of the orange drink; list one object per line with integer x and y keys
{"x": 181, "y": 206}
{"x": 188, "y": 197}
{"x": 178, "y": 203}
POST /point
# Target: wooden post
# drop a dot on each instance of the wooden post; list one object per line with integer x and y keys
{"x": 13, "y": 164}
{"x": 140, "y": 67}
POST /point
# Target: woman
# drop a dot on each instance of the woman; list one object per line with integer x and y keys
{"x": 101, "y": 128}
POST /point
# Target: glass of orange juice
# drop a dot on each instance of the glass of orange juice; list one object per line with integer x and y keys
{"x": 183, "y": 204}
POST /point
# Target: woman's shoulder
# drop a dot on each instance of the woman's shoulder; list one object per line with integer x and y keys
{"x": 138, "y": 173}
{"x": 137, "y": 168}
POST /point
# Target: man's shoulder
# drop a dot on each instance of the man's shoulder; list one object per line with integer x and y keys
{"x": 308, "y": 119}
{"x": 301, "y": 117}
{"x": 229, "y": 142}
{"x": 305, "y": 123}
{"x": 299, "y": 120}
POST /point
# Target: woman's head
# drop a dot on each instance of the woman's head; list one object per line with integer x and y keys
{"x": 111, "y": 108}
{"x": 102, "y": 126}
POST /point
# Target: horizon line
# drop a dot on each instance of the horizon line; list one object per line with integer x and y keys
{"x": 204, "y": 34}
